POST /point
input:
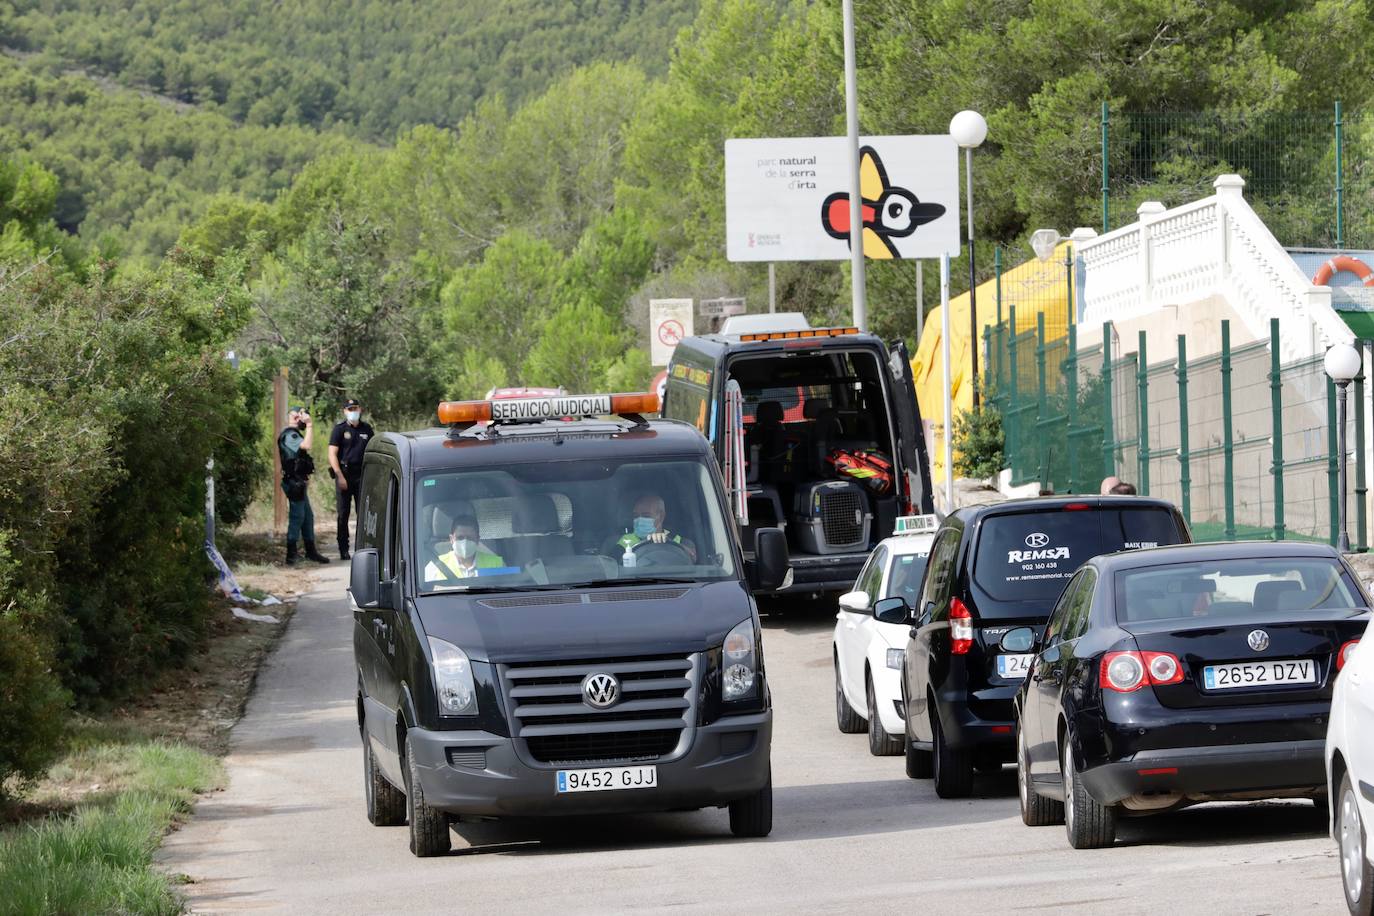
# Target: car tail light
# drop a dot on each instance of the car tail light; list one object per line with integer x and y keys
{"x": 1128, "y": 671}
{"x": 1163, "y": 667}
{"x": 960, "y": 627}
{"x": 1343, "y": 656}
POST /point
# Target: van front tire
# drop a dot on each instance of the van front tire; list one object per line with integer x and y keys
{"x": 752, "y": 816}
{"x": 429, "y": 834}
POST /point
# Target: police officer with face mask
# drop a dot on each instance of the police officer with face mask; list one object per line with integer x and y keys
{"x": 347, "y": 442}
{"x": 293, "y": 446}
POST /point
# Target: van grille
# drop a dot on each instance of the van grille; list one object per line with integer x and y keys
{"x": 842, "y": 518}
{"x": 549, "y": 715}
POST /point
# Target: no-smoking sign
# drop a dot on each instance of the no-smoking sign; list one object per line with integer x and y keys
{"x": 670, "y": 320}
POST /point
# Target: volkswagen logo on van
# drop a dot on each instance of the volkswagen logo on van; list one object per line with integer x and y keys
{"x": 1036, "y": 539}
{"x": 1258, "y": 640}
{"x": 600, "y": 690}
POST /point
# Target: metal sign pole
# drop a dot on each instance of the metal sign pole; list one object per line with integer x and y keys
{"x": 948, "y": 379}
{"x": 772, "y": 287}
{"x": 920, "y": 299}
{"x": 856, "y": 227}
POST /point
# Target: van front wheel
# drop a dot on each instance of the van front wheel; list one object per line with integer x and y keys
{"x": 429, "y": 834}
{"x": 752, "y": 816}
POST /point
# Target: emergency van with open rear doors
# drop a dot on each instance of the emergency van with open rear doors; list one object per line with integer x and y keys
{"x": 819, "y": 434}
{"x": 553, "y": 615}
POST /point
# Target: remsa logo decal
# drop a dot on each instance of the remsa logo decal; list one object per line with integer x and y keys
{"x": 1037, "y": 539}
{"x": 1037, "y": 543}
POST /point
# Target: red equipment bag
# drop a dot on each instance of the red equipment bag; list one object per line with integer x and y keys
{"x": 869, "y": 467}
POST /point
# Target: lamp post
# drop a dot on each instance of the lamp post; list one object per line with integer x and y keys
{"x": 1342, "y": 365}
{"x": 857, "y": 290}
{"x": 969, "y": 130}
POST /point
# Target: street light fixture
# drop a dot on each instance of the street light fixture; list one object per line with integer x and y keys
{"x": 1342, "y": 365}
{"x": 969, "y": 129}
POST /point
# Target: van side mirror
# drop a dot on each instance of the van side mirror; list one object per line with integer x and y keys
{"x": 1019, "y": 639}
{"x": 891, "y": 610}
{"x": 771, "y": 568}
{"x": 362, "y": 578}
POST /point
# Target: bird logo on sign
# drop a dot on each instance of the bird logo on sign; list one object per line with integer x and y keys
{"x": 888, "y": 212}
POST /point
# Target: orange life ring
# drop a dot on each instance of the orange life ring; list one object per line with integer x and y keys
{"x": 1344, "y": 262}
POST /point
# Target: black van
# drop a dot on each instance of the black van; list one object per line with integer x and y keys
{"x": 992, "y": 568}
{"x": 553, "y": 616}
{"x": 830, "y": 435}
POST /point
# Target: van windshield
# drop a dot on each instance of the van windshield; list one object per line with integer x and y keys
{"x": 569, "y": 523}
{"x": 1028, "y": 556}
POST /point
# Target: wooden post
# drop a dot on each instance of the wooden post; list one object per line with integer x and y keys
{"x": 278, "y": 424}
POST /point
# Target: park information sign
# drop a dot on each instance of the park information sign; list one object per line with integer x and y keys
{"x": 788, "y": 199}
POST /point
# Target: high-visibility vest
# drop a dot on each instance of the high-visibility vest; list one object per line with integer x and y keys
{"x": 485, "y": 560}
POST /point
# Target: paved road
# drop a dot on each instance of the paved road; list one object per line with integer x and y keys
{"x": 851, "y": 831}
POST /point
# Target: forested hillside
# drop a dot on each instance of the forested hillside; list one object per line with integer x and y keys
{"x": 375, "y": 67}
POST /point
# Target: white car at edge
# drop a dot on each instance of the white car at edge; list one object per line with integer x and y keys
{"x": 868, "y": 654}
{"x": 1350, "y": 773}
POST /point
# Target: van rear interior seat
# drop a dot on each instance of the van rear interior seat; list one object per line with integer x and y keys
{"x": 536, "y": 532}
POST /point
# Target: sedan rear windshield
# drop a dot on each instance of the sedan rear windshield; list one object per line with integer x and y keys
{"x": 1028, "y": 556}
{"x": 1233, "y": 588}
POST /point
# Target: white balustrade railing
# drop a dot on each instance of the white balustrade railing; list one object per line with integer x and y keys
{"x": 1217, "y": 246}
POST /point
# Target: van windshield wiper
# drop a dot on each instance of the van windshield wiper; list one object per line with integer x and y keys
{"x": 637, "y": 580}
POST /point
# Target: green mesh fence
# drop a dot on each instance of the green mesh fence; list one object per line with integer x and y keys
{"x": 1072, "y": 417}
{"x": 1288, "y": 160}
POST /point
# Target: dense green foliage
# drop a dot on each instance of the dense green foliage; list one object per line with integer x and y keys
{"x": 375, "y": 67}
{"x": 978, "y": 441}
{"x": 116, "y": 391}
{"x": 132, "y": 171}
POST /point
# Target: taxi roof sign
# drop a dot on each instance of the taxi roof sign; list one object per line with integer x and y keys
{"x": 917, "y": 524}
{"x": 534, "y": 410}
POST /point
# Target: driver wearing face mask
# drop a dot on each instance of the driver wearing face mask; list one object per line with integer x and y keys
{"x": 647, "y": 518}
{"x": 466, "y": 556}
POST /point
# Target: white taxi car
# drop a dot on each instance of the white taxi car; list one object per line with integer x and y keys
{"x": 868, "y": 654}
{"x": 1350, "y": 773}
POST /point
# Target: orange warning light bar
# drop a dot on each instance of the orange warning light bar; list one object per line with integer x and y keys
{"x": 797, "y": 335}
{"x": 533, "y": 410}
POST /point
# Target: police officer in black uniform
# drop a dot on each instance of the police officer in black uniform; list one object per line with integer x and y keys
{"x": 347, "y": 443}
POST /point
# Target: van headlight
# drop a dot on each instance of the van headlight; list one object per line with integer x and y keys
{"x": 739, "y": 663}
{"x": 453, "y": 679}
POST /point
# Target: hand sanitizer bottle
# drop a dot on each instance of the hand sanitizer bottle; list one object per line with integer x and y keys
{"x": 628, "y": 560}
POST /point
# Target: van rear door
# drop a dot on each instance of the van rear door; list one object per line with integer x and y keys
{"x": 911, "y": 445}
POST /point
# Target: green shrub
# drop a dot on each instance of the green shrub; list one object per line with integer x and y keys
{"x": 33, "y": 702}
{"x": 978, "y": 441}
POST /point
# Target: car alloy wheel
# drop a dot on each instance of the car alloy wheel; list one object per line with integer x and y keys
{"x": 1357, "y": 875}
{"x": 1066, "y": 767}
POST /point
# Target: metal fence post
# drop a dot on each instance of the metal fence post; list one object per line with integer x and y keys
{"x": 1143, "y": 384}
{"x": 1340, "y": 180}
{"x": 1361, "y": 490}
{"x": 1185, "y": 478}
{"x": 1331, "y": 468}
{"x": 1071, "y": 407}
{"x": 1106, "y": 219}
{"x": 1041, "y": 407}
{"x": 1108, "y": 436}
{"x": 1010, "y": 431}
{"x": 1227, "y": 449}
{"x": 1276, "y": 413}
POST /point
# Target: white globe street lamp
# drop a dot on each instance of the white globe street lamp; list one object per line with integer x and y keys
{"x": 969, "y": 129}
{"x": 1342, "y": 364}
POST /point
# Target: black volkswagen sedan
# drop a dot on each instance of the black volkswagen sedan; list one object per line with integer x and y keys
{"x": 1178, "y": 675}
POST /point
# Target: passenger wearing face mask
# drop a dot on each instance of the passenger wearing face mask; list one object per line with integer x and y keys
{"x": 347, "y": 442}
{"x": 466, "y": 556}
{"x": 646, "y": 525}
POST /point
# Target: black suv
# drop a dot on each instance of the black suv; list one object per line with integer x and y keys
{"x": 992, "y": 568}
{"x": 554, "y": 617}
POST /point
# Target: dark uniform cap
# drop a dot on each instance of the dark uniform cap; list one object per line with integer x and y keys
{"x": 351, "y": 402}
